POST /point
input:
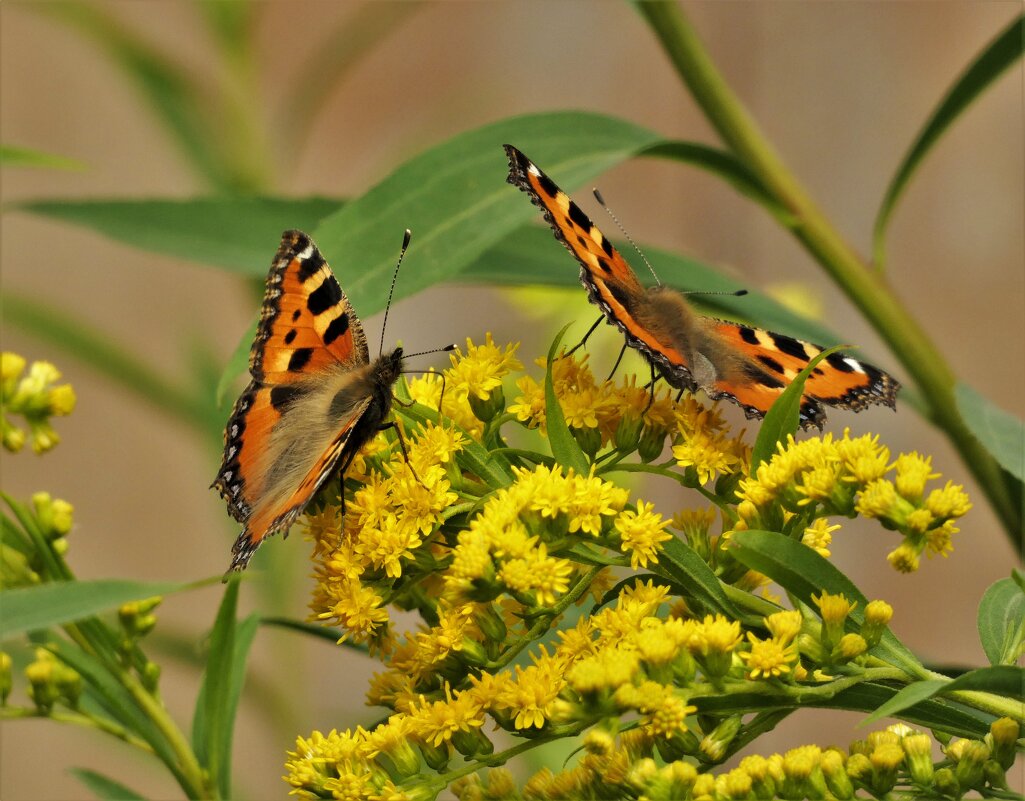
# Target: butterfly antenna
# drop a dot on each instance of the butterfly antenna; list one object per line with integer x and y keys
{"x": 391, "y": 291}
{"x": 615, "y": 219}
{"x": 445, "y": 349}
{"x": 736, "y": 293}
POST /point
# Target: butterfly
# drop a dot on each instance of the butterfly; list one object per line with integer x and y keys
{"x": 743, "y": 364}
{"x": 314, "y": 400}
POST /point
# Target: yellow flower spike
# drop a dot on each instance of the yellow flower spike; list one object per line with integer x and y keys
{"x": 641, "y": 533}
{"x": 819, "y": 536}
{"x": 905, "y": 557}
{"x": 912, "y": 471}
{"x": 357, "y": 610}
{"x": 864, "y": 459}
{"x": 436, "y": 722}
{"x": 712, "y": 644}
{"x": 706, "y": 453}
{"x": 949, "y": 502}
{"x": 880, "y": 499}
{"x": 833, "y": 771}
{"x": 784, "y": 626}
{"x": 834, "y": 610}
{"x": 607, "y": 670}
{"x": 482, "y": 368}
{"x": 530, "y": 697}
{"x": 768, "y": 659}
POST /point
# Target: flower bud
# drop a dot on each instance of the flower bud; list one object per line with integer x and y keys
{"x": 501, "y": 784}
{"x": 968, "y": 770}
{"x": 839, "y": 784}
{"x": 69, "y": 684}
{"x": 472, "y": 743}
{"x": 1004, "y": 733}
{"x": 54, "y": 515}
{"x": 436, "y": 756}
{"x": 918, "y": 749}
{"x": 946, "y": 784}
{"x": 6, "y": 677}
{"x": 762, "y": 784}
{"x": 485, "y": 409}
{"x": 628, "y": 433}
{"x": 652, "y": 442}
{"x": 851, "y": 646}
{"x": 993, "y": 775}
{"x": 42, "y": 687}
{"x": 885, "y": 760}
{"x": 877, "y": 616}
{"x": 150, "y": 676}
{"x": 715, "y": 743}
{"x": 13, "y": 437}
{"x": 589, "y": 440}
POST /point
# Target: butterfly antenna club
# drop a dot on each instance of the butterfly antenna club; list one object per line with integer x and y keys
{"x": 619, "y": 225}
{"x": 391, "y": 291}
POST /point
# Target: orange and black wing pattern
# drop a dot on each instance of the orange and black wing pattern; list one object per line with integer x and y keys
{"x": 307, "y": 328}
{"x": 838, "y": 380}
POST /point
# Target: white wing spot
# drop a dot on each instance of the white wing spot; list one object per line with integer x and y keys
{"x": 854, "y": 364}
{"x": 533, "y": 170}
{"x": 305, "y": 253}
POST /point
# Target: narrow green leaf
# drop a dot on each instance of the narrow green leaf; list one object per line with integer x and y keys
{"x": 910, "y": 695}
{"x": 211, "y": 722}
{"x": 800, "y": 570}
{"x": 45, "y": 605}
{"x": 1001, "y": 432}
{"x": 175, "y": 96}
{"x": 11, "y": 156}
{"x": 726, "y": 166}
{"x": 63, "y": 331}
{"x": 245, "y": 632}
{"x": 565, "y": 448}
{"x": 782, "y": 418}
{"x": 997, "y": 56}
{"x": 455, "y": 200}
{"x": 1004, "y": 680}
{"x": 311, "y": 630}
{"x": 1001, "y": 622}
{"x": 684, "y": 566}
{"x": 104, "y": 787}
{"x": 240, "y": 234}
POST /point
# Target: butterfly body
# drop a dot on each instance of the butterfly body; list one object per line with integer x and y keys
{"x": 314, "y": 399}
{"x": 746, "y": 365}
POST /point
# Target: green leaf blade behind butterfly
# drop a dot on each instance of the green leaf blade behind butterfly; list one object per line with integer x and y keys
{"x": 455, "y": 200}
{"x": 240, "y": 234}
{"x": 104, "y": 787}
{"x": 565, "y": 448}
{"x": 11, "y": 156}
{"x": 1001, "y": 432}
{"x": 994, "y": 59}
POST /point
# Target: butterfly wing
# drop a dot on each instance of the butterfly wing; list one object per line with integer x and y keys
{"x": 774, "y": 360}
{"x": 610, "y": 282}
{"x": 308, "y": 342}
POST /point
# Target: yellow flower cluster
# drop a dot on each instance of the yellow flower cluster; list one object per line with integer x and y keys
{"x": 823, "y": 476}
{"x": 36, "y": 397}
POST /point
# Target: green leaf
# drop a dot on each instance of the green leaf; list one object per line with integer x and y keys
{"x": 1001, "y": 622}
{"x": 684, "y": 566}
{"x": 908, "y": 696}
{"x": 783, "y": 416}
{"x": 11, "y": 156}
{"x": 104, "y": 787}
{"x": 1004, "y": 680}
{"x": 801, "y": 571}
{"x": 213, "y": 719}
{"x": 175, "y": 96}
{"x": 986, "y": 68}
{"x": 55, "y": 604}
{"x": 1001, "y": 432}
{"x": 455, "y": 200}
{"x": 565, "y": 448}
{"x": 240, "y": 234}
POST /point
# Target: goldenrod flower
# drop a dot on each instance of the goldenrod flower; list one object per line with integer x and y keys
{"x": 33, "y": 396}
{"x": 640, "y": 534}
{"x": 769, "y": 658}
{"x": 819, "y": 535}
{"x": 436, "y": 722}
{"x": 481, "y": 369}
{"x": 530, "y": 696}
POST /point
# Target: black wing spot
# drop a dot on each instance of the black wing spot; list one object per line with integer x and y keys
{"x": 582, "y": 240}
{"x": 790, "y": 346}
{"x": 578, "y": 217}
{"x": 606, "y": 245}
{"x": 621, "y": 296}
{"x": 299, "y": 359}
{"x": 603, "y": 263}
{"x": 310, "y": 266}
{"x": 817, "y": 371}
{"x": 546, "y": 184}
{"x": 324, "y": 297}
{"x": 749, "y": 335}
{"x": 839, "y": 362}
{"x": 284, "y": 395}
{"x": 296, "y": 314}
{"x": 771, "y": 363}
{"x": 337, "y": 328}
{"x": 290, "y": 337}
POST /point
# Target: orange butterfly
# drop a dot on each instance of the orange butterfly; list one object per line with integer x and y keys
{"x": 747, "y": 365}
{"x": 314, "y": 400}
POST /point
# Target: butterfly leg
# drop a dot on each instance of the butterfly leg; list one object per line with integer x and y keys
{"x": 402, "y": 447}
{"x": 582, "y": 341}
{"x": 618, "y": 360}
{"x": 651, "y": 388}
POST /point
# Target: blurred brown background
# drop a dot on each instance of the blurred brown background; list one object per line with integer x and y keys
{"x": 840, "y": 88}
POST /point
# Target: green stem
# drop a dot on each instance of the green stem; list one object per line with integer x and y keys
{"x": 79, "y": 719}
{"x": 865, "y": 287}
{"x": 993, "y": 704}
